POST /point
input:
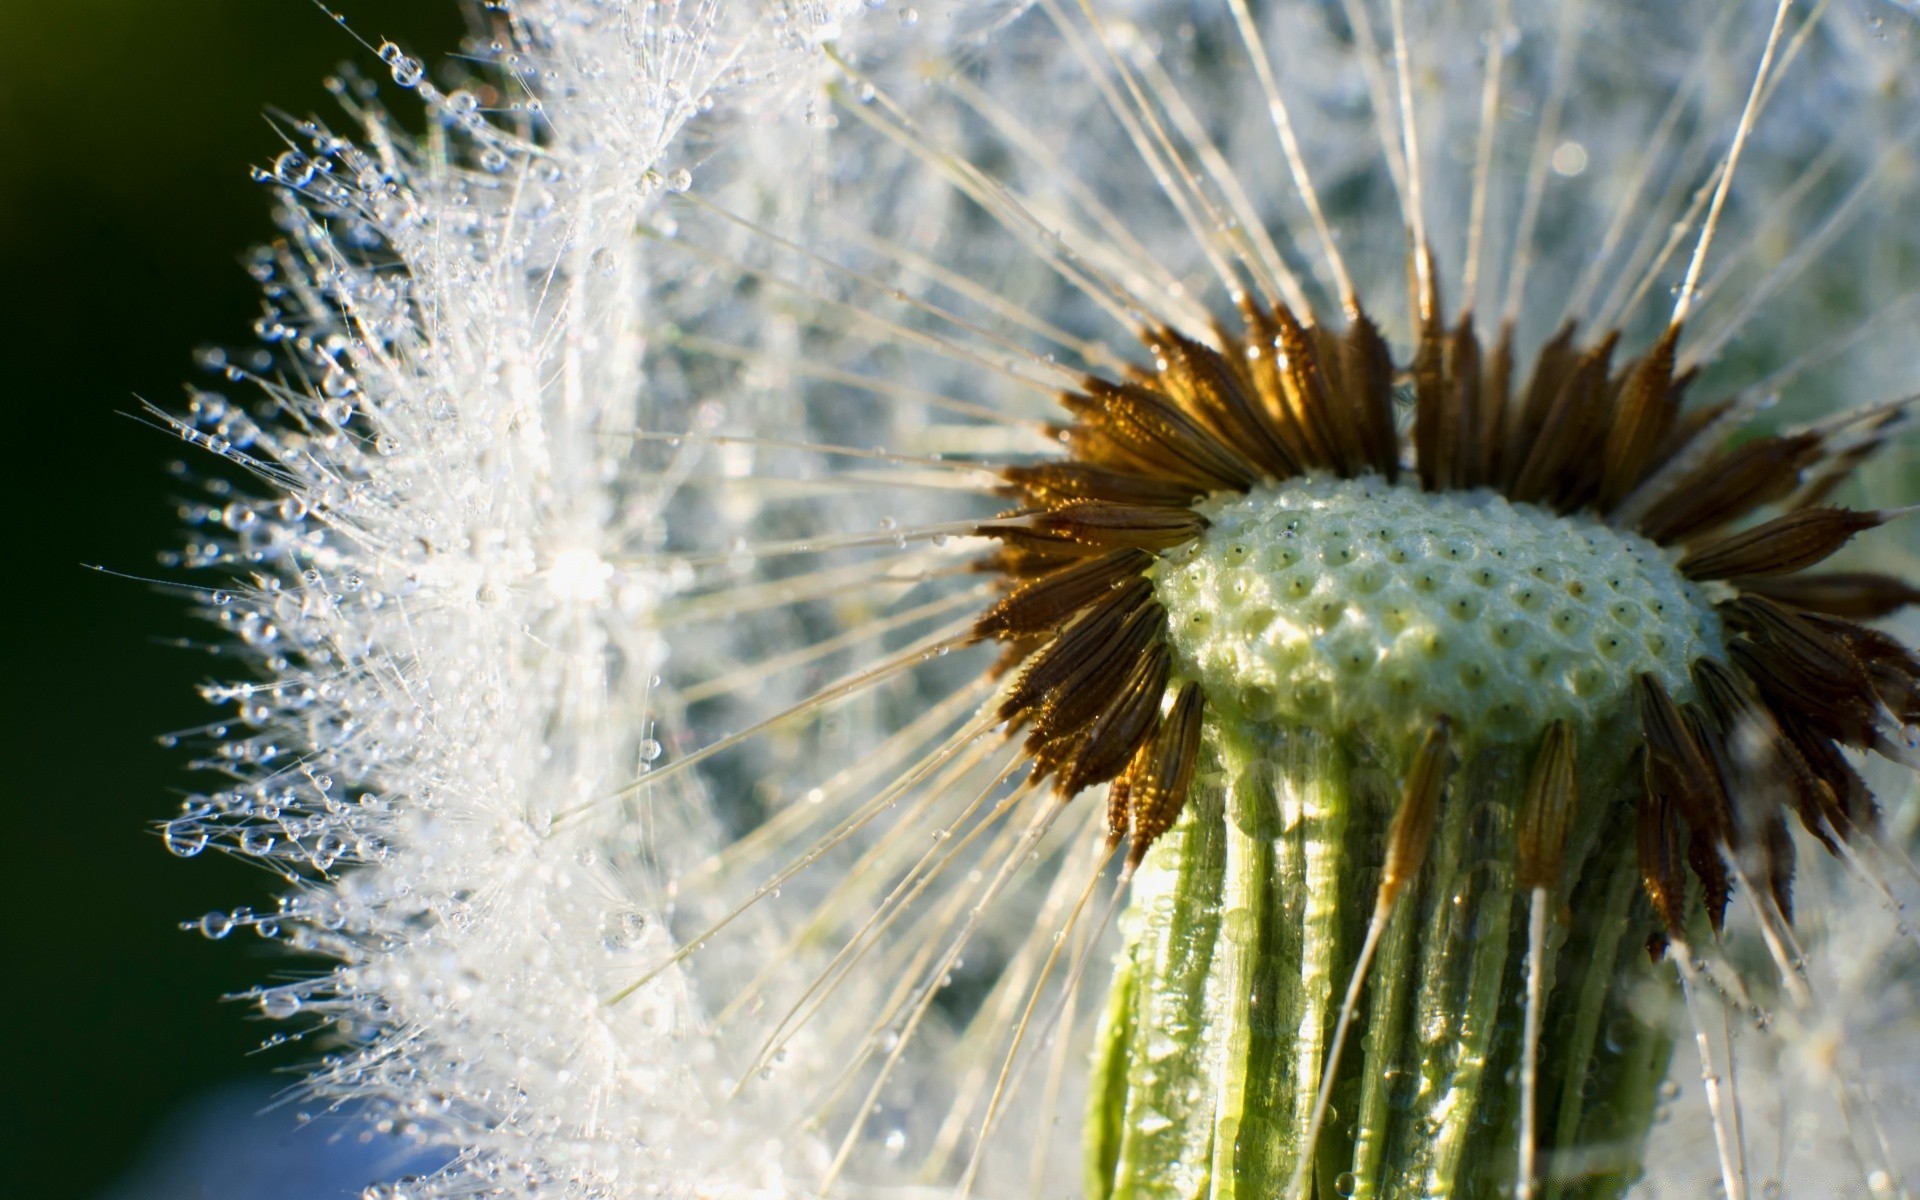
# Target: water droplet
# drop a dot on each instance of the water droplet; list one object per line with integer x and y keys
{"x": 279, "y": 1004}
{"x": 186, "y": 837}
{"x": 336, "y": 383}
{"x": 680, "y": 180}
{"x": 216, "y": 925}
{"x": 1569, "y": 159}
{"x": 622, "y": 930}
{"x": 293, "y": 169}
{"x": 327, "y": 850}
{"x": 649, "y": 750}
{"x": 407, "y": 70}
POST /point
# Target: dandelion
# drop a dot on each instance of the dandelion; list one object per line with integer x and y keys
{"x": 1128, "y": 599}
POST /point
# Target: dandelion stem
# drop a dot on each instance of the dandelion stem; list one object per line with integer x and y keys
{"x": 1215, "y": 1072}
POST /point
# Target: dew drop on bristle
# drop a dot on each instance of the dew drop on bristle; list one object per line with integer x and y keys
{"x": 186, "y": 837}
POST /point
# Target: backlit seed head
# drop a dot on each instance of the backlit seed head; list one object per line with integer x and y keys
{"x": 1356, "y": 604}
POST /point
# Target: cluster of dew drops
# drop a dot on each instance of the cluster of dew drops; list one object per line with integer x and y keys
{"x": 293, "y": 600}
{"x": 301, "y": 444}
{"x": 310, "y": 435}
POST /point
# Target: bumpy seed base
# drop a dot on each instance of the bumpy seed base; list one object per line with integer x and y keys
{"x": 1354, "y": 604}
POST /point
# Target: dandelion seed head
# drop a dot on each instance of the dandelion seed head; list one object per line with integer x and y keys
{"x": 612, "y": 568}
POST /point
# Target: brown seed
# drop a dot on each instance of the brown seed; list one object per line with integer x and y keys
{"x": 1891, "y": 668}
{"x": 1200, "y": 381}
{"x": 1550, "y": 372}
{"x": 1678, "y": 767}
{"x": 1841, "y": 467}
{"x": 1728, "y": 486}
{"x": 1049, "y": 483}
{"x": 1661, "y": 872}
{"x": 1075, "y": 645}
{"x": 1709, "y": 864}
{"x": 1085, "y": 686}
{"x": 1118, "y": 792}
{"x": 1026, "y": 552}
{"x": 1312, "y": 403}
{"x": 1102, "y": 524}
{"x": 1642, "y": 418}
{"x": 1127, "y": 723}
{"x": 1689, "y": 428}
{"x": 1781, "y": 546}
{"x": 1496, "y": 408}
{"x": 1437, "y": 432}
{"x": 1412, "y": 830}
{"x": 1786, "y": 685}
{"x": 1855, "y": 595}
{"x": 1845, "y": 802}
{"x": 1367, "y": 380}
{"x": 1264, "y": 366}
{"x": 1546, "y": 812}
{"x": 1139, "y": 429}
{"x": 1047, "y": 601}
{"x": 1805, "y": 661}
{"x": 1763, "y": 765}
{"x": 1162, "y": 773}
{"x": 1560, "y": 467}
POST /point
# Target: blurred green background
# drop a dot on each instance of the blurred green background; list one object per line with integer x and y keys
{"x": 126, "y": 131}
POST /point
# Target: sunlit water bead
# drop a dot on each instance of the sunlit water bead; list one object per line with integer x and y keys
{"x": 185, "y": 836}
{"x": 1362, "y": 605}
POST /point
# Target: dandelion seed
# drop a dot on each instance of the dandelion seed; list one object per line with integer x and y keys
{"x": 1436, "y": 664}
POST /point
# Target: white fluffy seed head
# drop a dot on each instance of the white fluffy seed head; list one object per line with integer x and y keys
{"x": 1359, "y": 605}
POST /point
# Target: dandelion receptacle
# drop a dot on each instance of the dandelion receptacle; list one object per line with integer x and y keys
{"x": 1138, "y": 600}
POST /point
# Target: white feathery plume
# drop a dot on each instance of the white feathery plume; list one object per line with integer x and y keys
{"x": 603, "y": 567}
{"x": 433, "y": 577}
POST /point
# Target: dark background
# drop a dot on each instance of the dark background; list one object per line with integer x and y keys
{"x": 126, "y": 131}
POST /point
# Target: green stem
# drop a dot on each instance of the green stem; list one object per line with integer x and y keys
{"x": 1241, "y": 934}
